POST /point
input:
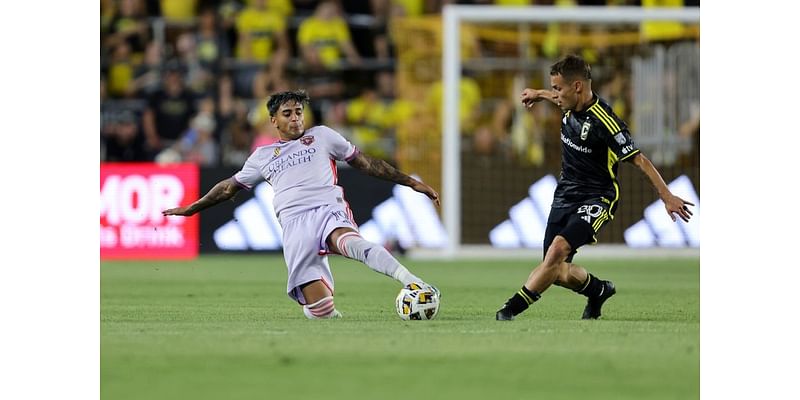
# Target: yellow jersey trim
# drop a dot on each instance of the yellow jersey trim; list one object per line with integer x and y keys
{"x": 603, "y": 116}
{"x": 629, "y": 155}
{"x": 613, "y": 159}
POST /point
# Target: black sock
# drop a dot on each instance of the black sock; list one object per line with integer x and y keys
{"x": 520, "y": 301}
{"x": 593, "y": 287}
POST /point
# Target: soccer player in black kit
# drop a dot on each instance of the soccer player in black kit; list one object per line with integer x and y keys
{"x": 594, "y": 140}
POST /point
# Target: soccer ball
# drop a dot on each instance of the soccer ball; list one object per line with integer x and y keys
{"x": 417, "y": 302}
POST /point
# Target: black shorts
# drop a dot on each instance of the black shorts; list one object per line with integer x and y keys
{"x": 577, "y": 224}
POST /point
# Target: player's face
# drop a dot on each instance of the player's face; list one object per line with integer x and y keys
{"x": 566, "y": 92}
{"x": 289, "y": 120}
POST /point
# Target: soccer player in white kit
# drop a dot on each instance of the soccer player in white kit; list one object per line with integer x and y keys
{"x": 315, "y": 217}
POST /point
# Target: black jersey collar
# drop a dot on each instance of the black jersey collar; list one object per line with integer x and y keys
{"x": 592, "y": 103}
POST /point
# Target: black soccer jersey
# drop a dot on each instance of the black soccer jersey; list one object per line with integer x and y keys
{"x": 594, "y": 141}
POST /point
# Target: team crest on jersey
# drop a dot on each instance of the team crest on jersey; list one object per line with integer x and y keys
{"x": 307, "y": 140}
{"x": 620, "y": 138}
{"x": 585, "y": 130}
{"x": 277, "y": 151}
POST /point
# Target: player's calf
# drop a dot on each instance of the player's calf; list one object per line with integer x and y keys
{"x": 353, "y": 246}
{"x": 322, "y": 309}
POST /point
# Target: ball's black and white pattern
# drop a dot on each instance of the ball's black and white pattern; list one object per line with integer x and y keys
{"x": 417, "y": 302}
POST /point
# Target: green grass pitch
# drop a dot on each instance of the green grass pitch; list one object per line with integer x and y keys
{"x": 222, "y": 327}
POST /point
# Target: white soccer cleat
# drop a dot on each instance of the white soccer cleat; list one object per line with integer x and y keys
{"x": 432, "y": 288}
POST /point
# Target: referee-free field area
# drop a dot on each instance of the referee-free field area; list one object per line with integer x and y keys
{"x": 221, "y": 327}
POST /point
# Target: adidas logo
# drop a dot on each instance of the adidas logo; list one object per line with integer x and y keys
{"x": 408, "y": 217}
{"x": 254, "y": 227}
{"x": 528, "y": 219}
{"x": 657, "y": 228}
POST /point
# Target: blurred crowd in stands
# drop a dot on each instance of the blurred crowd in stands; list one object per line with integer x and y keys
{"x": 187, "y": 80}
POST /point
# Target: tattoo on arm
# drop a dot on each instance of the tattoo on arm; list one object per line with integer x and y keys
{"x": 222, "y": 191}
{"x": 380, "y": 169}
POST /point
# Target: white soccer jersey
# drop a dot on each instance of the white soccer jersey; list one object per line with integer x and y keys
{"x": 302, "y": 172}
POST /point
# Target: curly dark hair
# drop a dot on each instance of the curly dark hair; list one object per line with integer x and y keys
{"x": 572, "y": 68}
{"x": 278, "y": 99}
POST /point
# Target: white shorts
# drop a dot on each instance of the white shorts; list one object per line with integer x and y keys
{"x": 304, "y": 247}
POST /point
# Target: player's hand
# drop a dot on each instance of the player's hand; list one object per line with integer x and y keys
{"x": 531, "y": 96}
{"x": 182, "y": 211}
{"x": 427, "y": 190}
{"x": 677, "y": 205}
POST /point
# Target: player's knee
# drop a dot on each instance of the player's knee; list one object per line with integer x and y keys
{"x": 352, "y": 245}
{"x": 560, "y": 248}
{"x": 557, "y": 252}
{"x": 322, "y": 309}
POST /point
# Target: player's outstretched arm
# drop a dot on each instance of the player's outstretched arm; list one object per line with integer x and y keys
{"x": 382, "y": 169}
{"x": 673, "y": 204}
{"x": 531, "y": 96}
{"x": 222, "y": 191}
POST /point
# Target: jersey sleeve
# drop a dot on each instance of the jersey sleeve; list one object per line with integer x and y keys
{"x": 249, "y": 175}
{"x": 305, "y": 33}
{"x": 338, "y": 147}
{"x": 279, "y": 23}
{"x": 622, "y": 144}
{"x": 342, "y": 33}
{"x": 615, "y": 133}
{"x": 242, "y": 22}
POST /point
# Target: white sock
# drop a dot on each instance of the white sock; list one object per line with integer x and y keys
{"x": 351, "y": 245}
{"x": 322, "y": 309}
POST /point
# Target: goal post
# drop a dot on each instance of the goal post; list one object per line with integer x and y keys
{"x": 453, "y": 18}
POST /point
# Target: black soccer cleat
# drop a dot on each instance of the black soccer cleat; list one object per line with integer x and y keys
{"x": 594, "y": 304}
{"x": 504, "y": 314}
